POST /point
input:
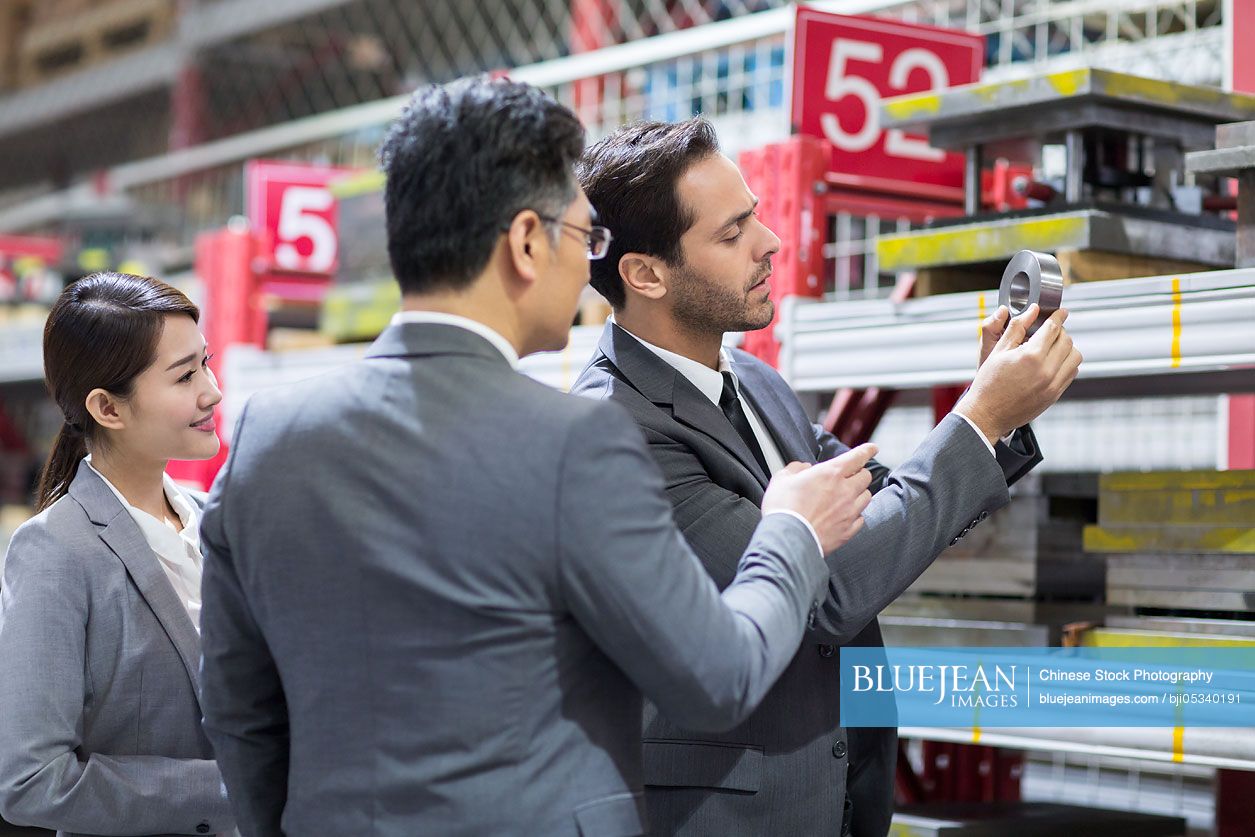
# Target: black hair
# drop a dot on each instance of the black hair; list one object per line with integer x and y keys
{"x": 461, "y": 161}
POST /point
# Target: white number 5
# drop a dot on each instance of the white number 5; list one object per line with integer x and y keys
{"x": 296, "y": 222}
{"x": 840, "y": 85}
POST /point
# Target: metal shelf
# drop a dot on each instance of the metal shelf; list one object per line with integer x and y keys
{"x": 1203, "y": 746}
{"x": 21, "y": 350}
{"x": 1166, "y": 325}
{"x": 1193, "y": 54}
{"x": 248, "y": 369}
{"x": 202, "y": 25}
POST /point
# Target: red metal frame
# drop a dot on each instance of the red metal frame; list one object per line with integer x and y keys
{"x": 47, "y": 250}
{"x": 788, "y": 178}
{"x": 854, "y": 413}
{"x": 1242, "y": 406}
{"x": 232, "y": 313}
{"x": 797, "y": 194}
{"x": 1235, "y": 802}
{"x": 591, "y": 24}
{"x": 1241, "y": 432}
{"x": 971, "y": 772}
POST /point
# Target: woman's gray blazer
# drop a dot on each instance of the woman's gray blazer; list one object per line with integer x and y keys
{"x": 99, "y": 661}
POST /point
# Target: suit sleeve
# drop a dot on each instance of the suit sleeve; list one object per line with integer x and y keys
{"x": 918, "y": 510}
{"x": 246, "y": 715}
{"x": 947, "y": 487}
{"x": 631, "y": 581}
{"x": 45, "y": 778}
{"x": 1016, "y": 457}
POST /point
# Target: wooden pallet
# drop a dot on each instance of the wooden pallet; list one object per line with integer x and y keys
{"x": 13, "y": 21}
{"x": 1077, "y": 265}
{"x": 86, "y": 33}
{"x": 42, "y": 11}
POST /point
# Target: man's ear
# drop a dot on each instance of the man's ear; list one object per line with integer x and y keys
{"x": 643, "y": 275}
{"x": 528, "y": 245}
{"x": 104, "y": 408}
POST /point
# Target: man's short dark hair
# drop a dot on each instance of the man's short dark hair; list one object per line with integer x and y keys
{"x": 631, "y": 179}
{"x": 462, "y": 160}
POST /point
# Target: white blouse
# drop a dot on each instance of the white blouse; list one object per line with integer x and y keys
{"x": 177, "y": 552}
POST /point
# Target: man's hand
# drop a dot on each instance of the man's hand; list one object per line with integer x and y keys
{"x": 1019, "y": 380}
{"x": 831, "y": 495}
{"x": 991, "y": 329}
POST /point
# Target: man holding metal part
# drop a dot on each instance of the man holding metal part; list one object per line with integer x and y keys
{"x": 445, "y": 622}
{"x": 690, "y": 261}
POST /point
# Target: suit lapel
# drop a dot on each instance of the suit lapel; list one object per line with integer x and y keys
{"x": 122, "y": 535}
{"x": 662, "y": 384}
{"x": 774, "y": 413}
{"x": 694, "y": 410}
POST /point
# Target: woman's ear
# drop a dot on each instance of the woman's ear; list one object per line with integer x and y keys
{"x": 105, "y": 408}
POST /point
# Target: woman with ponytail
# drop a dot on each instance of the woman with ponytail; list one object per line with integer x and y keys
{"x": 100, "y": 600}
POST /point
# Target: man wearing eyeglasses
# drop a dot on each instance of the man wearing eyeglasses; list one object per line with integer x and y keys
{"x": 435, "y": 589}
{"x": 690, "y": 262}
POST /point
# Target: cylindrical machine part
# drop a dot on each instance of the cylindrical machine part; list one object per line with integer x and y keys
{"x": 1032, "y": 277}
{"x": 1034, "y": 189}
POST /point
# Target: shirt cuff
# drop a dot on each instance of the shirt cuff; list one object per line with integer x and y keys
{"x": 805, "y": 523}
{"x": 982, "y": 436}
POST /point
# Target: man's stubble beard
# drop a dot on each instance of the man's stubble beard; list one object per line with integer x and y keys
{"x": 706, "y": 308}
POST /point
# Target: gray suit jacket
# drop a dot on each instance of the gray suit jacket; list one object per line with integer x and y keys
{"x": 786, "y": 769}
{"x": 99, "y": 720}
{"x": 435, "y": 590}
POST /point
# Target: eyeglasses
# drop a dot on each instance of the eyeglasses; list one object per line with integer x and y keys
{"x": 596, "y": 238}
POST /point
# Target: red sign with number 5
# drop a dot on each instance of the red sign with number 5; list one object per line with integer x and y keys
{"x": 843, "y": 66}
{"x": 291, "y": 203}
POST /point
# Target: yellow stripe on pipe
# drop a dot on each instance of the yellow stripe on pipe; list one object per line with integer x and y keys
{"x": 980, "y": 318}
{"x": 1176, "y": 321}
{"x": 1178, "y": 731}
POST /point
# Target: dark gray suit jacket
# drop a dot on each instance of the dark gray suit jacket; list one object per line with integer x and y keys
{"x": 435, "y": 590}
{"x": 99, "y": 720}
{"x": 786, "y": 769}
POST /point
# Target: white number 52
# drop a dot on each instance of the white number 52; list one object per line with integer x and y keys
{"x": 841, "y": 83}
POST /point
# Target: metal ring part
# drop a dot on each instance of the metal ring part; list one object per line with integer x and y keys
{"x": 1032, "y": 277}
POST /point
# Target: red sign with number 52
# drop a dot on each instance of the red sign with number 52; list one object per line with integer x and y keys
{"x": 291, "y": 203}
{"x": 843, "y": 66}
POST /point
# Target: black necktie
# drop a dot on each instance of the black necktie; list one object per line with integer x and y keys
{"x": 731, "y": 406}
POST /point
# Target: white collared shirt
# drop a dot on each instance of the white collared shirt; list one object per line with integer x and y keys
{"x": 177, "y": 552}
{"x": 710, "y": 383}
{"x": 502, "y": 345}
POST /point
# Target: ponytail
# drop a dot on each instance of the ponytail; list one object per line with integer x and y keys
{"x": 68, "y": 450}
